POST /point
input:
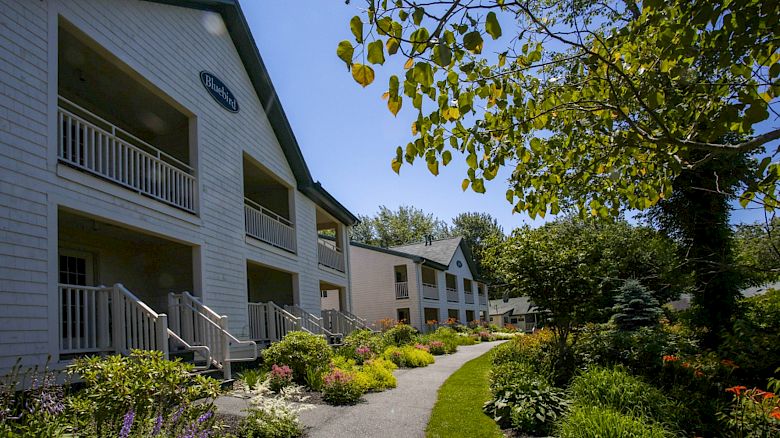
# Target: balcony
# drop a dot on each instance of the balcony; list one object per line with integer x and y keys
{"x": 469, "y": 297}
{"x": 269, "y": 227}
{"x": 482, "y": 299}
{"x": 452, "y": 295}
{"x": 401, "y": 290}
{"x": 430, "y": 291}
{"x": 330, "y": 256}
{"x": 94, "y": 145}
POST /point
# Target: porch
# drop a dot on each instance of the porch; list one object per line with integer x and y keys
{"x": 268, "y": 207}
{"x": 330, "y": 244}
{"x": 115, "y": 126}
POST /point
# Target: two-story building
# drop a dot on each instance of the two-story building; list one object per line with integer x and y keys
{"x": 152, "y": 193}
{"x": 435, "y": 280}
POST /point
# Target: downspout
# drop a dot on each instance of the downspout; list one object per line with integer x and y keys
{"x": 418, "y": 274}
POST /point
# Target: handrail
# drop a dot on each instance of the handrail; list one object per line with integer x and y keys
{"x": 315, "y": 324}
{"x": 222, "y": 318}
{"x": 115, "y": 129}
{"x": 401, "y": 290}
{"x": 182, "y": 342}
{"x": 268, "y": 212}
{"x": 330, "y": 257}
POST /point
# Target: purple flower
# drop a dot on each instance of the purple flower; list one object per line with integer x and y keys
{"x": 176, "y": 416}
{"x": 127, "y": 423}
{"x": 206, "y": 415}
{"x": 157, "y": 425}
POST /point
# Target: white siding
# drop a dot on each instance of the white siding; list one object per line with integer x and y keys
{"x": 168, "y": 46}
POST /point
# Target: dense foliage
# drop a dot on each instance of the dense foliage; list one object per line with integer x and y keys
{"x": 300, "y": 351}
{"x": 635, "y": 307}
{"x": 595, "y": 104}
{"x": 405, "y": 225}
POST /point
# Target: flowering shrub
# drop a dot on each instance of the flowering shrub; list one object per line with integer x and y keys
{"x": 484, "y": 336}
{"x": 274, "y": 415}
{"x": 35, "y": 411}
{"x": 341, "y": 388}
{"x": 251, "y": 377}
{"x": 408, "y": 356}
{"x": 436, "y": 348}
{"x": 423, "y": 347}
{"x": 138, "y": 393}
{"x": 401, "y": 334}
{"x": 377, "y": 375}
{"x": 279, "y": 377}
{"x": 369, "y": 343}
{"x": 300, "y": 351}
{"x": 753, "y": 412}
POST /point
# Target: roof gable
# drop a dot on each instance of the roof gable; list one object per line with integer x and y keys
{"x": 442, "y": 251}
{"x": 239, "y": 32}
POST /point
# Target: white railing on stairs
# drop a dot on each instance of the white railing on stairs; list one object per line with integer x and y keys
{"x": 108, "y": 319}
{"x": 342, "y": 322}
{"x": 201, "y": 350}
{"x": 263, "y": 224}
{"x": 314, "y": 324}
{"x": 95, "y": 145}
{"x": 270, "y": 323}
{"x": 196, "y": 324}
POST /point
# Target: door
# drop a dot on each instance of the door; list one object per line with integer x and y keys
{"x": 77, "y": 305}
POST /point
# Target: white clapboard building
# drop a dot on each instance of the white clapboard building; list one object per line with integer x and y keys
{"x": 152, "y": 193}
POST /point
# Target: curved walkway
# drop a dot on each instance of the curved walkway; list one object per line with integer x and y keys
{"x": 400, "y": 412}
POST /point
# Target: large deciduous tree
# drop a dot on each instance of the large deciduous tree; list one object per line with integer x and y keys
{"x": 594, "y": 104}
{"x": 398, "y": 227}
{"x": 480, "y": 230}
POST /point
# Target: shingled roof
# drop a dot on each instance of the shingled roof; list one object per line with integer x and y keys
{"x": 441, "y": 251}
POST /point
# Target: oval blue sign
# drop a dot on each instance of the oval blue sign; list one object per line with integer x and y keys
{"x": 219, "y": 91}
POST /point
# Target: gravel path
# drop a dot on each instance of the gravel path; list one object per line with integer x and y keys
{"x": 400, "y": 412}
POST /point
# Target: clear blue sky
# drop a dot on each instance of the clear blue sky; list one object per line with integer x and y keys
{"x": 346, "y": 133}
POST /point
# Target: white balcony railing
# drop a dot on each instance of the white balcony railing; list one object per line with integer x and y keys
{"x": 482, "y": 299}
{"x": 94, "y": 145}
{"x": 430, "y": 291}
{"x": 265, "y": 225}
{"x": 401, "y": 290}
{"x": 452, "y": 295}
{"x": 330, "y": 256}
{"x": 469, "y": 297}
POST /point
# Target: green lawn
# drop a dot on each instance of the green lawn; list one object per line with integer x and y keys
{"x": 458, "y": 410}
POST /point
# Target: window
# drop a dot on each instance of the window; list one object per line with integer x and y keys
{"x": 403, "y": 315}
{"x": 469, "y": 315}
{"x": 324, "y": 294}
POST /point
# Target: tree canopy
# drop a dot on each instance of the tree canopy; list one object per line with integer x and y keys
{"x": 593, "y": 104}
{"x": 480, "y": 230}
{"x": 398, "y": 227}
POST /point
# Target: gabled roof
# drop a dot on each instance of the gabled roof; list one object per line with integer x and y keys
{"x": 514, "y": 306}
{"x": 238, "y": 28}
{"x": 415, "y": 258}
{"x": 441, "y": 251}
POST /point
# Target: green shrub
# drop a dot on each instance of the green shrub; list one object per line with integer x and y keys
{"x": 463, "y": 339}
{"x": 141, "y": 387}
{"x": 341, "y": 387}
{"x": 602, "y": 422}
{"x": 524, "y": 400}
{"x": 262, "y": 424}
{"x": 635, "y": 307}
{"x": 300, "y": 351}
{"x": 408, "y": 356}
{"x": 252, "y": 377}
{"x": 400, "y": 335}
{"x": 536, "y": 350}
{"x": 362, "y": 339}
{"x": 443, "y": 341}
{"x": 377, "y": 375}
{"x": 617, "y": 389}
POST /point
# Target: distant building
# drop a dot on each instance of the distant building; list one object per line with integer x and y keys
{"x": 427, "y": 281}
{"x": 519, "y": 312}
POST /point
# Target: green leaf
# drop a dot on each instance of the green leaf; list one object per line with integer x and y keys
{"x": 478, "y": 185}
{"x": 423, "y": 74}
{"x": 471, "y": 160}
{"x": 417, "y": 15}
{"x": 376, "y": 54}
{"x": 396, "y": 165}
{"x": 446, "y": 157}
{"x": 491, "y": 25}
{"x": 345, "y": 52}
{"x": 384, "y": 26}
{"x": 465, "y": 184}
{"x": 394, "y": 104}
{"x": 442, "y": 55}
{"x": 473, "y": 42}
{"x": 356, "y": 26}
{"x": 363, "y": 74}
{"x": 433, "y": 167}
{"x": 392, "y": 46}
{"x": 393, "y": 86}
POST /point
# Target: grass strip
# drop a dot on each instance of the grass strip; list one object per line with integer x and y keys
{"x": 458, "y": 409}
